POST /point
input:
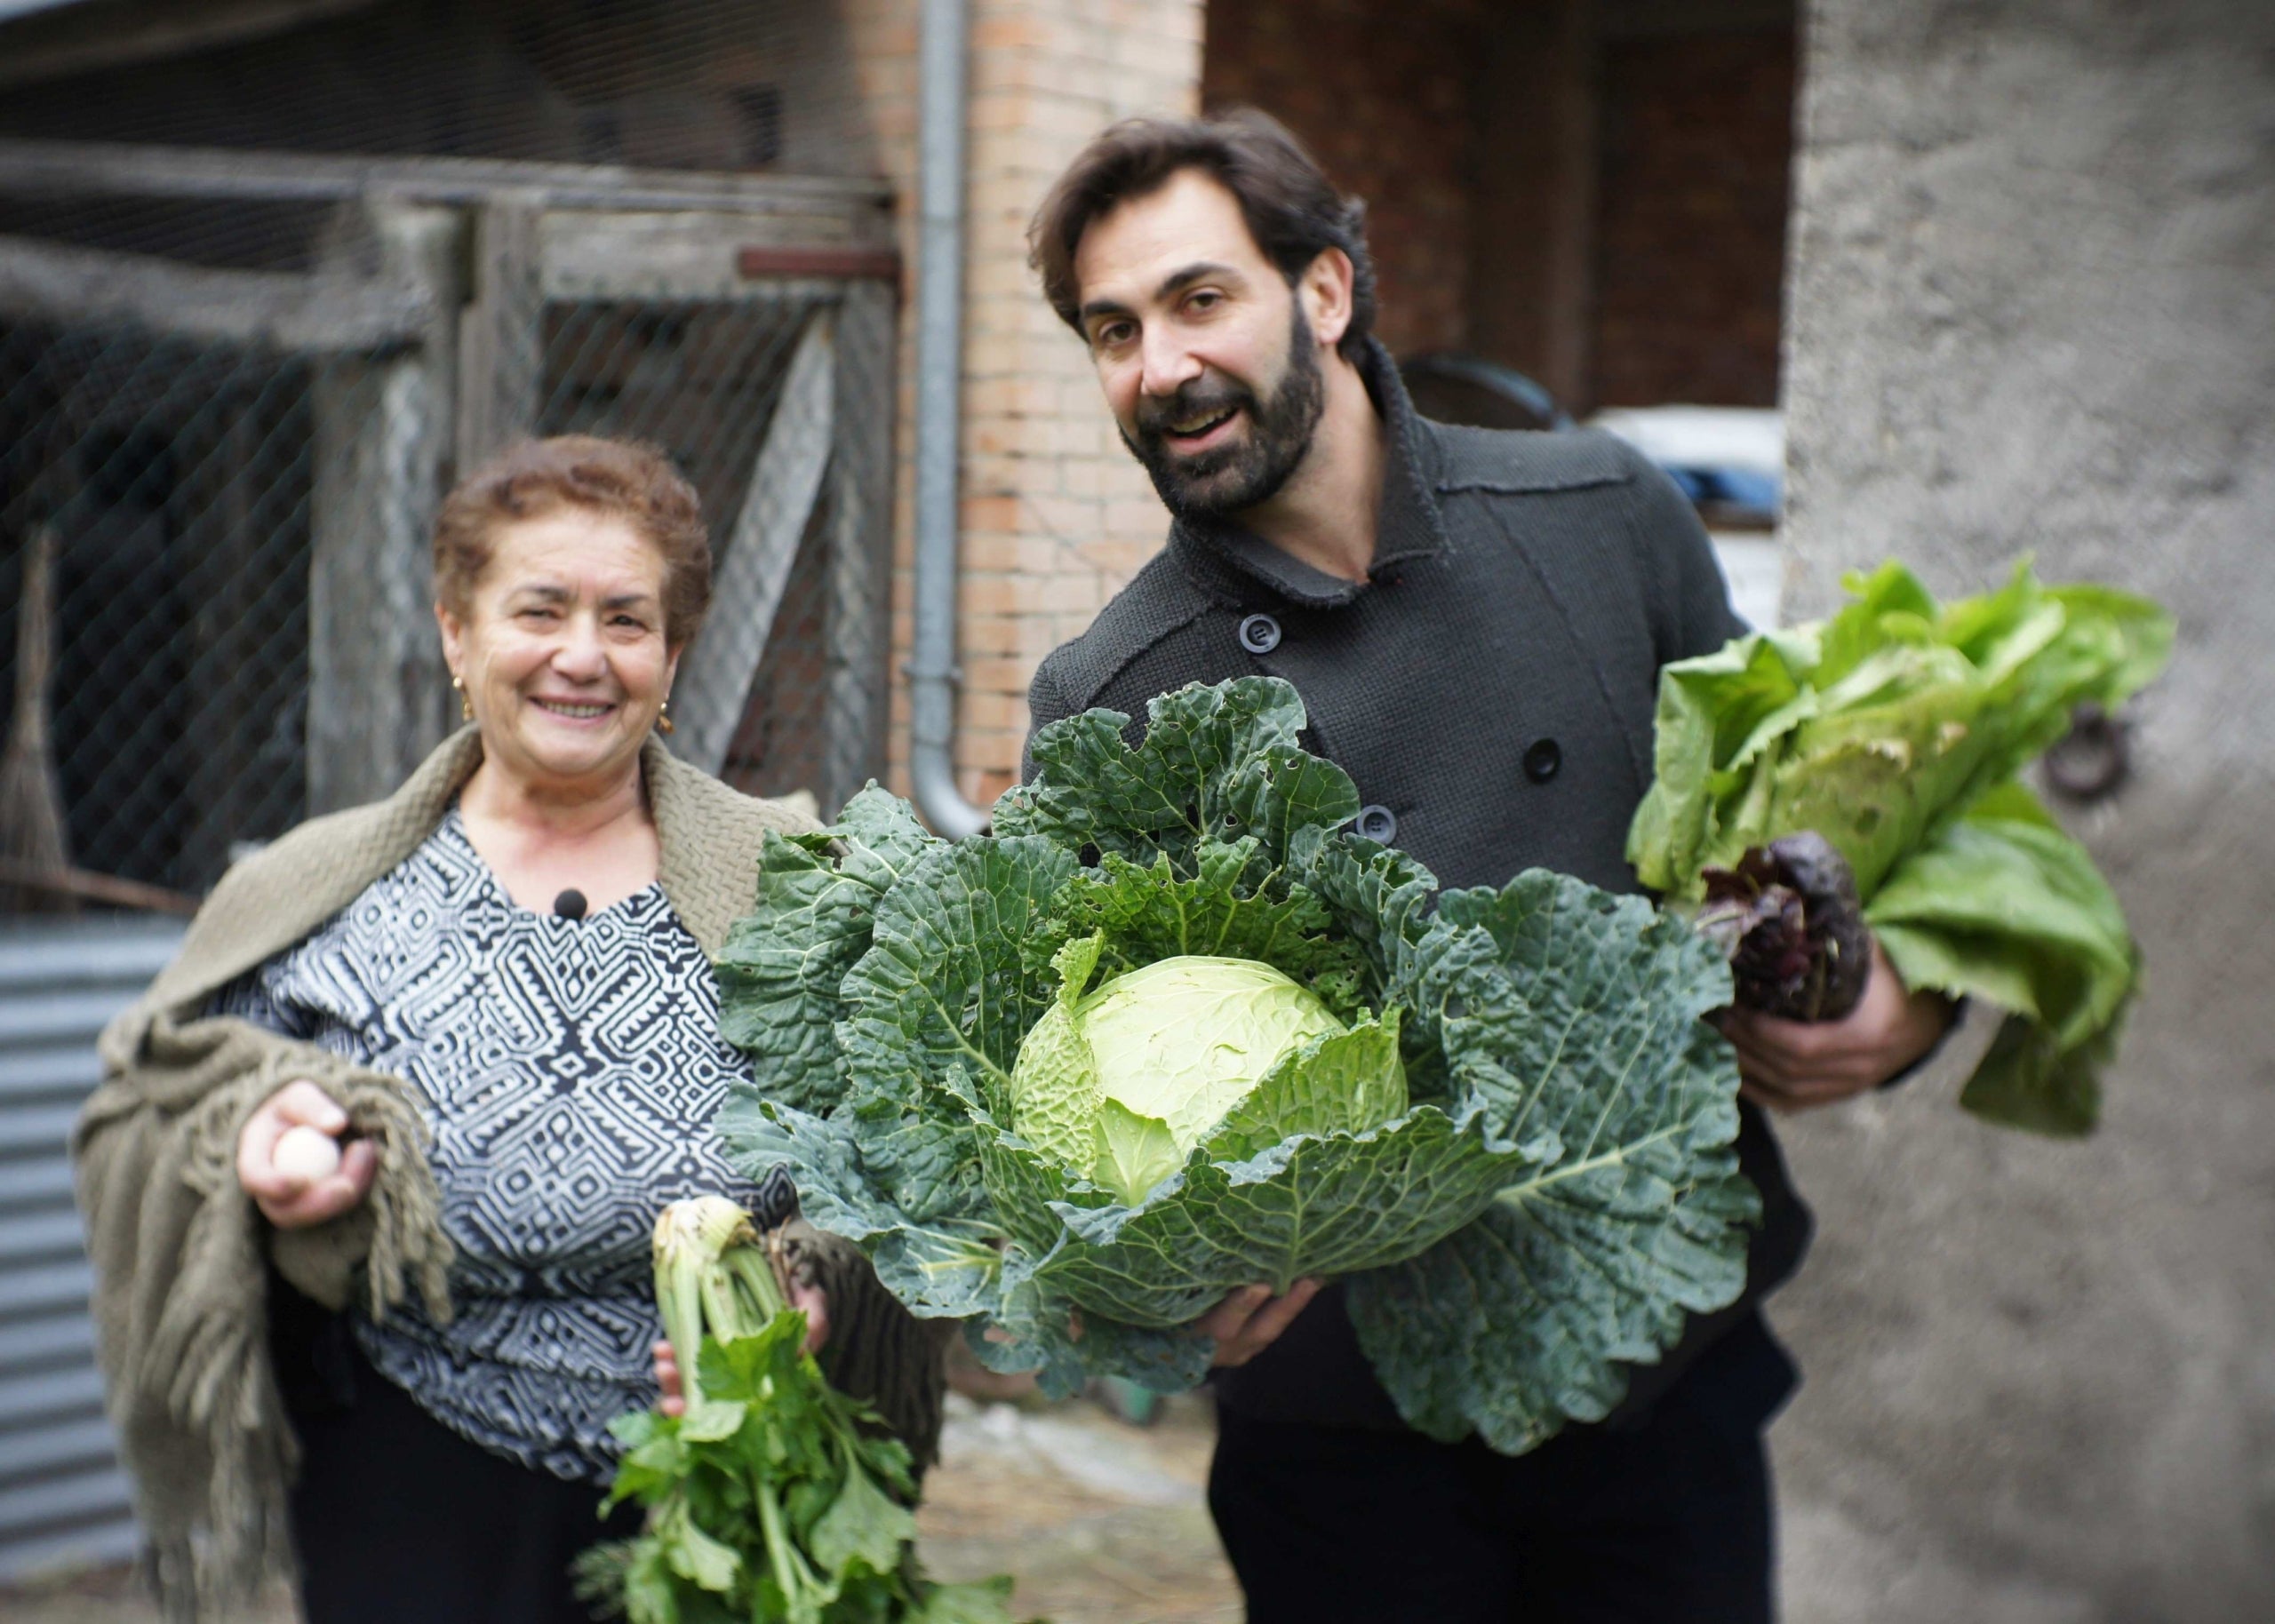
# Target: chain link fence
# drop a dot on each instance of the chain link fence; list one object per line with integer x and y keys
{"x": 217, "y": 484}
{"x": 262, "y": 299}
{"x": 156, "y": 491}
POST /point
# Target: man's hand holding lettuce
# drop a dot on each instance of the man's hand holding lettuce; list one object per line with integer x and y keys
{"x": 1172, "y": 1029}
{"x": 1897, "y": 729}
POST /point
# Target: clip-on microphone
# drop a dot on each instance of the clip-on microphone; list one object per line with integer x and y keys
{"x": 570, "y": 904}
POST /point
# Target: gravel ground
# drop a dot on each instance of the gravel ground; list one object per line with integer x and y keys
{"x": 1099, "y": 1522}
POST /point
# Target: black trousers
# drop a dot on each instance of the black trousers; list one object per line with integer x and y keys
{"x": 396, "y": 1519}
{"x": 1665, "y": 1519}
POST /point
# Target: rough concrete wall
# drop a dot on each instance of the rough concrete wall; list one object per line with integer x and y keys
{"x": 2032, "y": 308}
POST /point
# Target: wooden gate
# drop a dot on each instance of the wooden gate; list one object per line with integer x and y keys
{"x": 386, "y": 323}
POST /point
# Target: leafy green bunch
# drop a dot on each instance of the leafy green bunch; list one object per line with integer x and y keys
{"x": 1495, "y": 1113}
{"x": 1897, "y": 729}
{"x": 774, "y": 1497}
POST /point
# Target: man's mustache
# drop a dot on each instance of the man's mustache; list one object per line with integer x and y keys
{"x": 1203, "y": 397}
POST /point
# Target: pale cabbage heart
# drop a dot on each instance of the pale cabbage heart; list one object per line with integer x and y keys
{"x": 1122, "y": 1083}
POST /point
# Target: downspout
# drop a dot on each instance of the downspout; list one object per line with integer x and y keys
{"x": 932, "y": 671}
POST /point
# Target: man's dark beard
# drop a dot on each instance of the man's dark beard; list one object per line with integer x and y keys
{"x": 1232, "y": 478}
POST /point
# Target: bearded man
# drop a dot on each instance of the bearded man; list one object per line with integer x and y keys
{"x": 1475, "y": 620}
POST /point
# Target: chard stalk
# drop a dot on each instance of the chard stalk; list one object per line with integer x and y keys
{"x": 756, "y": 1272}
{"x": 692, "y": 1239}
{"x": 790, "y": 1570}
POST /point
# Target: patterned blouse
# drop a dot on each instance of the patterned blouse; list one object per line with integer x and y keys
{"x": 570, "y": 1069}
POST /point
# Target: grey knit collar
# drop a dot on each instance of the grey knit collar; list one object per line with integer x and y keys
{"x": 1230, "y": 562}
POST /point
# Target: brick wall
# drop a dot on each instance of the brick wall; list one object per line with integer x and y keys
{"x": 1056, "y": 515}
{"x": 1690, "y": 236}
{"x": 1384, "y": 96}
{"x": 1686, "y": 133}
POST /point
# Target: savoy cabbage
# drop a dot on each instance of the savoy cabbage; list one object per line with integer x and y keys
{"x": 1172, "y": 1028}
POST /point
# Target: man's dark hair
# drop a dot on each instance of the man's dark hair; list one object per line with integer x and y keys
{"x": 1293, "y": 210}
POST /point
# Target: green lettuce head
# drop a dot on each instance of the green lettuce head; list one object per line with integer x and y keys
{"x": 1171, "y": 1029}
{"x": 1897, "y": 730}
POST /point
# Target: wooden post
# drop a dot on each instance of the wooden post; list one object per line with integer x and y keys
{"x": 502, "y": 342}
{"x": 224, "y": 467}
{"x": 859, "y": 607}
{"x": 377, "y": 690}
{"x": 45, "y": 282}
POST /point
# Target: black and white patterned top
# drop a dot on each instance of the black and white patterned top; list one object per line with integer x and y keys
{"x": 570, "y": 1070}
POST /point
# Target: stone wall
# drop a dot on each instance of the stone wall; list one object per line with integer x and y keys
{"x": 2031, "y": 309}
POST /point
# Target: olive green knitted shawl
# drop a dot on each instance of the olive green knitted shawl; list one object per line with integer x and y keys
{"x": 181, "y": 1252}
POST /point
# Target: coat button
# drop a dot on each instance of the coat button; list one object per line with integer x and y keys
{"x": 1378, "y": 824}
{"x": 1259, "y": 633}
{"x": 1542, "y": 758}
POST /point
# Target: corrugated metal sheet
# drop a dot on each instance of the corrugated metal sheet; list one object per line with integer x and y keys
{"x": 62, "y": 1497}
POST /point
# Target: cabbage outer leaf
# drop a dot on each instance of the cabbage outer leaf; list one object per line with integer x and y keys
{"x": 782, "y": 965}
{"x": 1310, "y": 1204}
{"x": 1573, "y": 1016}
{"x": 1035, "y": 1330}
{"x": 934, "y": 1012}
{"x": 1238, "y": 903}
{"x": 1216, "y": 763}
{"x": 949, "y": 1265}
{"x": 929, "y": 1019}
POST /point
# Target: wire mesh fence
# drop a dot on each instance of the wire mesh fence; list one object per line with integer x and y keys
{"x": 216, "y": 482}
{"x": 169, "y": 482}
{"x": 264, "y": 292}
{"x": 696, "y": 84}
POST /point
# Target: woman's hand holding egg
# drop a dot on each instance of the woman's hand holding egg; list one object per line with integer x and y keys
{"x": 306, "y": 1154}
{"x": 290, "y": 1162}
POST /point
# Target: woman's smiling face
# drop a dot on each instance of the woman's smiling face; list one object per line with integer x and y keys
{"x": 562, "y": 648}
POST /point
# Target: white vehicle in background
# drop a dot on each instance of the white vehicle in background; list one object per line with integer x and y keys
{"x": 1730, "y": 460}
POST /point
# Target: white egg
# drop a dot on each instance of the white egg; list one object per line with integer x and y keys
{"x": 306, "y": 1153}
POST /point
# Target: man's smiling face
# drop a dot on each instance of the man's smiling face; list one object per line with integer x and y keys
{"x": 1208, "y": 363}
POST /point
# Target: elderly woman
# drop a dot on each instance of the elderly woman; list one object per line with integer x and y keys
{"x": 490, "y": 994}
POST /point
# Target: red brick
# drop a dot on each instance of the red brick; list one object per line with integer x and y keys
{"x": 1691, "y": 220}
{"x": 991, "y": 513}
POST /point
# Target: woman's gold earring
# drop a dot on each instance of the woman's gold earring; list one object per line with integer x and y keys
{"x": 466, "y": 700}
{"x": 664, "y": 717}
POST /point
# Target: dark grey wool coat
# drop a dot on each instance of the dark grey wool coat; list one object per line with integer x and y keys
{"x": 1489, "y": 688}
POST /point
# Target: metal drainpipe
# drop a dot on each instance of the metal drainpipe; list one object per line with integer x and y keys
{"x": 932, "y": 671}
